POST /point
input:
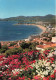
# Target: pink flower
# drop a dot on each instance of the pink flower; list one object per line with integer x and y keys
{"x": 1, "y": 75}
{"x": 16, "y": 60}
{"x": 10, "y": 78}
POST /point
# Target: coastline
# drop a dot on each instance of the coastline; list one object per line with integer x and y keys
{"x": 39, "y": 26}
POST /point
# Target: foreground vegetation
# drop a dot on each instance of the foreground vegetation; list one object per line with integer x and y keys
{"x": 31, "y": 65}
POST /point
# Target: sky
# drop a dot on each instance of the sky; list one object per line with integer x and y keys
{"x": 13, "y": 8}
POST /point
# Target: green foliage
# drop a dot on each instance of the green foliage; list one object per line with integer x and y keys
{"x": 2, "y": 50}
{"x": 53, "y": 34}
{"x": 13, "y": 51}
{"x": 32, "y": 47}
{"x": 12, "y": 44}
{"x": 32, "y": 19}
{"x": 29, "y": 73}
{"x": 0, "y": 45}
{"x": 41, "y": 43}
{"x": 28, "y": 46}
{"x": 25, "y": 45}
{"x": 26, "y": 50}
{"x": 37, "y": 43}
{"x": 45, "y": 35}
{"x": 5, "y": 47}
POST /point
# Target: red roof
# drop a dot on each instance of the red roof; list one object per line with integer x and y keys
{"x": 13, "y": 47}
{"x": 46, "y": 46}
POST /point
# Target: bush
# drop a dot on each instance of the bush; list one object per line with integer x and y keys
{"x": 0, "y": 45}
{"x": 32, "y": 47}
{"x": 5, "y": 47}
{"x": 2, "y": 50}
{"x": 12, "y": 44}
{"x": 13, "y": 51}
{"x": 41, "y": 43}
{"x": 25, "y": 45}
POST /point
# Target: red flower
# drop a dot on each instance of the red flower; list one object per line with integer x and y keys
{"x": 52, "y": 58}
{"x": 46, "y": 78}
{"x": 51, "y": 62}
{"x": 52, "y": 76}
{"x": 34, "y": 61}
{"x": 37, "y": 77}
{"x": 22, "y": 78}
{"x": 30, "y": 67}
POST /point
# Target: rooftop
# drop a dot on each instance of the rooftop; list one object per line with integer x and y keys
{"x": 46, "y": 46}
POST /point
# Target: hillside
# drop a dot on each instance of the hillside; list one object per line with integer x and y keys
{"x": 26, "y": 19}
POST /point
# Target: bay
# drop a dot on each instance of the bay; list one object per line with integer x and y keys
{"x": 10, "y": 32}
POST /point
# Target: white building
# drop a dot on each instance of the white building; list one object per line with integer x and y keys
{"x": 54, "y": 39}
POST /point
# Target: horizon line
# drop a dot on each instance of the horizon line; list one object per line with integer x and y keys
{"x": 26, "y": 16}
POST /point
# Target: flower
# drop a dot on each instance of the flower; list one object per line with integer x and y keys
{"x": 46, "y": 78}
{"x": 43, "y": 67}
{"x": 37, "y": 77}
{"x": 15, "y": 65}
{"x": 10, "y": 78}
{"x": 22, "y": 78}
{"x": 52, "y": 76}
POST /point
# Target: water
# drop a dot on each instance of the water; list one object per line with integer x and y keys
{"x": 10, "y": 32}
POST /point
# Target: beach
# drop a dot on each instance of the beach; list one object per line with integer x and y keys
{"x": 42, "y": 27}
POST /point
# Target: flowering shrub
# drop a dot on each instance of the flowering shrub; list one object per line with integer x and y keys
{"x": 31, "y": 65}
{"x": 44, "y": 68}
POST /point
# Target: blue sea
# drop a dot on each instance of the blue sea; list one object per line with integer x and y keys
{"x": 10, "y": 32}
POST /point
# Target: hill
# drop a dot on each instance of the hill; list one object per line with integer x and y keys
{"x": 31, "y": 19}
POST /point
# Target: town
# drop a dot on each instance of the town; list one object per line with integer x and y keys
{"x": 41, "y": 42}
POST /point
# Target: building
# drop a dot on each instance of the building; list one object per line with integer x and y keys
{"x": 45, "y": 46}
{"x": 54, "y": 39}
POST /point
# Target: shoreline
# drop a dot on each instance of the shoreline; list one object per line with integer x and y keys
{"x": 39, "y": 26}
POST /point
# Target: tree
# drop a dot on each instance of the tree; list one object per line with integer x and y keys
{"x": 13, "y": 51}
{"x": 0, "y": 45}
{"x": 12, "y": 44}
{"x": 5, "y": 47}
{"x": 37, "y": 43}
{"x": 41, "y": 43}
{"x": 32, "y": 47}
{"x": 25, "y": 45}
{"x": 2, "y": 50}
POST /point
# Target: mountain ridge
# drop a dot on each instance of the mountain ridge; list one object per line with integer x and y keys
{"x": 47, "y": 18}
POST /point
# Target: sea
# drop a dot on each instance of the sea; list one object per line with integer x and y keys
{"x": 11, "y": 32}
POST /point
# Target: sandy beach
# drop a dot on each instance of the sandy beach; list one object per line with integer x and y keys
{"x": 42, "y": 27}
